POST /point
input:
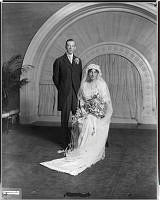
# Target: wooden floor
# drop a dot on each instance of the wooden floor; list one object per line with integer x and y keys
{"x": 129, "y": 170}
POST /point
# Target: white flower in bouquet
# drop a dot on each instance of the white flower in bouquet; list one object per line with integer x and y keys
{"x": 96, "y": 106}
{"x": 78, "y": 117}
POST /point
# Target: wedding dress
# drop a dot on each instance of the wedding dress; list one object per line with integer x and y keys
{"x": 93, "y": 131}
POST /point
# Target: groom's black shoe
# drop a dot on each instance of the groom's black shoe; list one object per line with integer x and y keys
{"x": 64, "y": 146}
{"x": 64, "y": 143}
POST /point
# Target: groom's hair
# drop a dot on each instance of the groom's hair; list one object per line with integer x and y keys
{"x": 69, "y": 41}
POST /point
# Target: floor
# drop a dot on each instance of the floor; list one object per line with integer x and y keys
{"x": 129, "y": 170}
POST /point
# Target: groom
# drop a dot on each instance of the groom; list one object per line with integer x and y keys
{"x": 67, "y": 73}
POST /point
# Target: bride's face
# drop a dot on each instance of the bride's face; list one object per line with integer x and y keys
{"x": 92, "y": 74}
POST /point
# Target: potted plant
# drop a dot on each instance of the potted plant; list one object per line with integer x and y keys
{"x": 11, "y": 83}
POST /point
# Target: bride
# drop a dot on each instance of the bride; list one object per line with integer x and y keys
{"x": 90, "y": 125}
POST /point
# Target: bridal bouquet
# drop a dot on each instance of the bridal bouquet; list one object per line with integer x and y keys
{"x": 95, "y": 106}
{"x": 80, "y": 113}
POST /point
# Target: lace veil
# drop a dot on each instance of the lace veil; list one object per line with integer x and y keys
{"x": 100, "y": 82}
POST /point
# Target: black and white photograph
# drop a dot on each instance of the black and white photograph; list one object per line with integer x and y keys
{"x": 79, "y": 100}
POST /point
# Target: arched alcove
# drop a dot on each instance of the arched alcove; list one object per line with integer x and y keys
{"x": 49, "y": 40}
{"x": 143, "y": 67}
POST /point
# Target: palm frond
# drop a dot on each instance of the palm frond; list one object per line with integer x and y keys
{"x": 11, "y": 71}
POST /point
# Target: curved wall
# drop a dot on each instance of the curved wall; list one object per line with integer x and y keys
{"x": 91, "y": 24}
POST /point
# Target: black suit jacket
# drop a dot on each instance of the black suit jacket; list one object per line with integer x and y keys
{"x": 66, "y": 76}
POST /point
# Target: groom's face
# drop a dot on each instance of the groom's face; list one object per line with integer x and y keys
{"x": 70, "y": 47}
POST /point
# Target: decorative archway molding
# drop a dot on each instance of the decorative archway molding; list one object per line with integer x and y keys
{"x": 143, "y": 67}
{"x": 49, "y": 32}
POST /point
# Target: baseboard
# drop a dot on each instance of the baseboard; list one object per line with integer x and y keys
{"x": 112, "y": 125}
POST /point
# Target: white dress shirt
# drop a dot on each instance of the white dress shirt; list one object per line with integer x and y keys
{"x": 70, "y": 57}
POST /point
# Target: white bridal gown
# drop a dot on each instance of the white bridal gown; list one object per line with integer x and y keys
{"x": 92, "y": 138}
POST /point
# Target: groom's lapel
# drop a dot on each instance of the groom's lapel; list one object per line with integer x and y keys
{"x": 67, "y": 62}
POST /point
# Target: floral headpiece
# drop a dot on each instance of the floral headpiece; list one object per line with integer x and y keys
{"x": 94, "y": 66}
